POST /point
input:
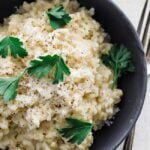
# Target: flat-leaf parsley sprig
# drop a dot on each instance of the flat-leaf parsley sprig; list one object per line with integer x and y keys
{"x": 12, "y": 45}
{"x": 119, "y": 60}
{"x": 77, "y": 130}
{"x": 58, "y": 17}
{"x": 41, "y": 67}
{"x": 8, "y": 87}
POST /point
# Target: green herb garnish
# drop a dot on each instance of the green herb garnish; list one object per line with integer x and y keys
{"x": 13, "y": 46}
{"x": 119, "y": 60}
{"x": 42, "y": 66}
{"x": 77, "y": 130}
{"x": 58, "y": 17}
{"x": 8, "y": 87}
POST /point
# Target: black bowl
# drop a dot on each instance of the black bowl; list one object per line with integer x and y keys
{"x": 133, "y": 85}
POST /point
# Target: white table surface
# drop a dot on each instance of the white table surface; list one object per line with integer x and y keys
{"x": 133, "y": 9}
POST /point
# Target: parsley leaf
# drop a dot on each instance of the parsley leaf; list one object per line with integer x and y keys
{"x": 61, "y": 69}
{"x": 41, "y": 68}
{"x": 8, "y": 87}
{"x": 119, "y": 60}
{"x": 77, "y": 130}
{"x": 14, "y": 45}
{"x": 58, "y": 17}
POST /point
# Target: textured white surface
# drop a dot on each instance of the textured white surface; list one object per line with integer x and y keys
{"x": 133, "y": 10}
{"x": 142, "y": 134}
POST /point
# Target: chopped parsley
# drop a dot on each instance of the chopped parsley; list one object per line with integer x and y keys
{"x": 39, "y": 68}
{"x": 58, "y": 17}
{"x": 76, "y": 131}
{"x": 119, "y": 60}
{"x": 42, "y": 66}
{"x": 12, "y": 45}
{"x": 8, "y": 87}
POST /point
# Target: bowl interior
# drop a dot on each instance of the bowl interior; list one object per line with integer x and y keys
{"x": 133, "y": 85}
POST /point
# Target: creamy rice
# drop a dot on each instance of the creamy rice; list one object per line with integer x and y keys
{"x": 30, "y": 121}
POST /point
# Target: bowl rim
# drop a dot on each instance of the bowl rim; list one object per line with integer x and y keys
{"x": 143, "y": 92}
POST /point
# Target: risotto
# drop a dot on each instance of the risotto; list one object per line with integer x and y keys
{"x": 31, "y": 120}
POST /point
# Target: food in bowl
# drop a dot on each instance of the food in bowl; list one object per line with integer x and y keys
{"x": 59, "y": 77}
